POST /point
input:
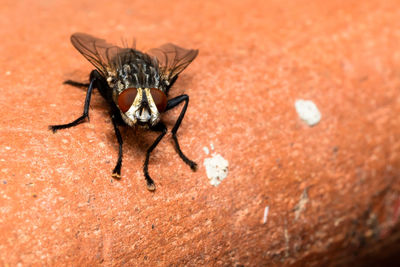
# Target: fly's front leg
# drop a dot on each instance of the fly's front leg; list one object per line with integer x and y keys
{"x": 94, "y": 78}
{"x": 160, "y": 127}
{"x": 117, "y": 170}
{"x": 171, "y": 104}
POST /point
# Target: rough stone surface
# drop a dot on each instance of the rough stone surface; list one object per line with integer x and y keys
{"x": 332, "y": 190}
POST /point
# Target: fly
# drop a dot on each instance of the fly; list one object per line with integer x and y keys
{"x": 135, "y": 86}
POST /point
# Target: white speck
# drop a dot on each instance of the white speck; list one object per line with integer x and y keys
{"x": 206, "y": 150}
{"x": 212, "y": 146}
{"x": 8, "y": 73}
{"x": 102, "y": 145}
{"x": 287, "y": 239}
{"x": 65, "y": 141}
{"x": 216, "y": 169}
{"x": 53, "y": 105}
{"x": 308, "y": 111}
{"x": 7, "y": 148}
{"x": 301, "y": 205}
{"x": 338, "y": 221}
{"x": 266, "y": 210}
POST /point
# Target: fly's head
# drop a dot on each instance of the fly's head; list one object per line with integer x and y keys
{"x": 142, "y": 106}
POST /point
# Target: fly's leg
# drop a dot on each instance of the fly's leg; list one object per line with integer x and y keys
{"x": 171, "y": 104}
{"x": 160, "y": 127}
{"x": 85, "y": 114}
{"x": 117, "y": 170}
{"x": 95, "y": 77}
{"x": 76, "y": 84}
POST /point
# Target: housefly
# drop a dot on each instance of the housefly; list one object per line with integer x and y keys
{"x": 135, "y": 86}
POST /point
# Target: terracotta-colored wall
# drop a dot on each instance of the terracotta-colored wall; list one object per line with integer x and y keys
{"x": 332, "y": 190}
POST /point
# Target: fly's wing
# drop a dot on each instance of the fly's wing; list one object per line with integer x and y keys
{"x": 97, "y": 51}
{"x": 172, "y": 59}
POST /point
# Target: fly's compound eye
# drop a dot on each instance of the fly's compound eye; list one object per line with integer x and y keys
{"x": 126, "y": 98}
{"x": 160, "y": 99}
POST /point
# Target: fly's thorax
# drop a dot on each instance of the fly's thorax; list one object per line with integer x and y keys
{"x": 142, "y": 106}
{"x": 137, "y": 74}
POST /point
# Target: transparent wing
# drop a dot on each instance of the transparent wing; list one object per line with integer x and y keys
{"x": 100, "y": 53}
{"x": 172, "y": 59}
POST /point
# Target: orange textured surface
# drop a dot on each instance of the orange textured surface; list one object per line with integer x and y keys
{"x": 333, "y": 190}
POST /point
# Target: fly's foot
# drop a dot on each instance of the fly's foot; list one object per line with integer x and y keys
{"x": 53, "y": 128}
{"x": 151, "y": 187}
{"x": 150, "y": 183}
{"x": 116, "y": 175}
{"x": 117, "y": 172}
{"x": 193, "y": 165}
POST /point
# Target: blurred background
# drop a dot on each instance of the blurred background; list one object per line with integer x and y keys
{"x": 294, "y": 194}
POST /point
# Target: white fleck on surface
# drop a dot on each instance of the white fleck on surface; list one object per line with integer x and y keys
{"x": 7, "y": 148}
{"x": 301, "y": 205}
{"x": 308, "y": 111}
{"x": 206, "y": 150}
{"x": 287, "y": 240}
{"x": 216, "y": 168}
{"x": 212, "y": 146}
{"x": 266, "y": 210}
{"x": 8, "y": 73}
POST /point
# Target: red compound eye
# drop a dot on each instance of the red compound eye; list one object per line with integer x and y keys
{"x": 160, "y": 99}
{"x": 126, "y": 98}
